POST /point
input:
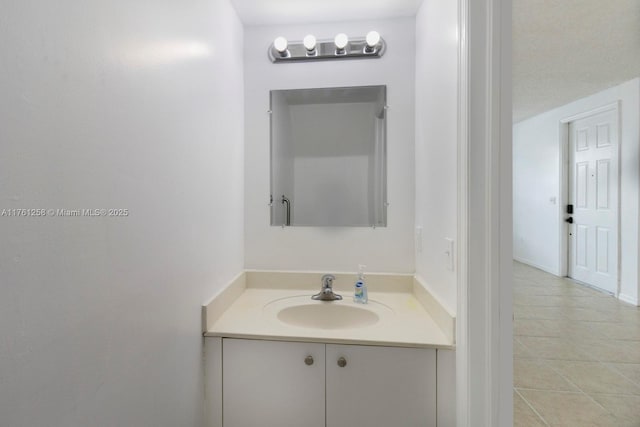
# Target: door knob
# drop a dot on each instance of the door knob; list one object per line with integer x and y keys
{"x": 342, "y": 362}
{"x": 308, "y": 360}
{"x": 569, "y": 220}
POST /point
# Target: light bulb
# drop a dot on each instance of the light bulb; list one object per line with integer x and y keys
{"x": 280, "y": 44}
{"x": 341, "y": 41}
{"x": 309, "y": 42}
{"x": 373, "y": 38}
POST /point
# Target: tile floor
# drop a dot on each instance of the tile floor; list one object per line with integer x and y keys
{"x": 576, "y": 354}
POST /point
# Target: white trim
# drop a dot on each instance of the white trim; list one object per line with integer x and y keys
{"x": 618, "y": 106}
{"x": 628, "y": 299}
{"x": 505, "y": 209}
{"x": 591, "y": 112}
{"x": 212, "y": 358}
{"x": 563, "y": 232}
{"x": 484, "y": 328}
{"x": 462, "y": 324}
{"x": 538, "y": 266}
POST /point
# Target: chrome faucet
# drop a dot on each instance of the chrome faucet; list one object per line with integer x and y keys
{"x": 326, "y": 294}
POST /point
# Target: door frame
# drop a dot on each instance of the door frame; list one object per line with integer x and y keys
{"x": 484, "y": 322}
{"x": 563, "y": 227}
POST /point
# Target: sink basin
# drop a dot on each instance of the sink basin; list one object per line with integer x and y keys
{"x": 303, "y": 312}
{"x": 327, "y": 316}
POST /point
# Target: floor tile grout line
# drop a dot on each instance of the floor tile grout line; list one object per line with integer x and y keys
{"x": 551, "y": 391}
{"x": 610, "y": 394}
{"x": 531, "y": 407}
{"x": 600, "y": 405}
{"x": 580, "y": 388}
{"x": 595, "y": 360}
{"x": 566, "y": 379}
{"x": 613, "y": 368}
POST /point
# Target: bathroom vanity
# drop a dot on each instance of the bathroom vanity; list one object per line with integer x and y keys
{"x": 275, "y": 357}
{"x": 271, "y": 383}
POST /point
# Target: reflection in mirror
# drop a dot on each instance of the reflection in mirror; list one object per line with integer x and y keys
{"x": 328, "y": 157}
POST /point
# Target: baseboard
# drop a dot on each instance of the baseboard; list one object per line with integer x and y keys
{"x": 538, "y": 266}
{"x": 628, "y": 299}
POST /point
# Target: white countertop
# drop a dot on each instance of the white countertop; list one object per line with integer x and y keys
{"x": 403, "y": 320}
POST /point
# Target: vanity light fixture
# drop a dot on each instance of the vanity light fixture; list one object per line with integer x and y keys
{"x": 340, "y": 47}
{"x": 372, "y": 39}
{"x": 280, "y": 45}
{"x": 309, "y": 43}
{"x": 341, "y": 41}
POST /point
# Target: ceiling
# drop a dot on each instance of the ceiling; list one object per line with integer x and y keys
{"x": 563, "y": 50}
{"x": 566, "y": 50}
{"x": 270, "y": 12}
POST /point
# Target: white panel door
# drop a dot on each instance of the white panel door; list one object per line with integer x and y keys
{"x": 593, "y": 191}
{"x": 272, "y": 384}
{"x": 380, "y": 386}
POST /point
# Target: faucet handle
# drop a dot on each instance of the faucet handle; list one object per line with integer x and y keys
{"x": 326, "y": 293}
{"x": 327, "y": 280}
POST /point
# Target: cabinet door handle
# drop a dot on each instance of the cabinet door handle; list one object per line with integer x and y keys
{"x": 342, "y": 362}
{"x": 308, "y": 360}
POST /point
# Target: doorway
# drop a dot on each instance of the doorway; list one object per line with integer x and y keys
{"x": 592, "y": 218}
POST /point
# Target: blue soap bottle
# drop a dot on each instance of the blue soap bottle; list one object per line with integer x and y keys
{"x": 360, "y": 294}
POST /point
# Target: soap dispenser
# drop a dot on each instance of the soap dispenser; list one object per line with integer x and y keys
{"x": 360, "y": 294}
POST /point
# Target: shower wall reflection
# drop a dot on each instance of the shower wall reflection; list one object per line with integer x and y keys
{"x": 328, "y": 157}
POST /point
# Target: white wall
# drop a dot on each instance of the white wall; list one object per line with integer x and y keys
{"x": 536, "y": 180}
{"x": 387, "y": 249}
{"x": 117, "y": 104}
{"x": 436, "y": 144}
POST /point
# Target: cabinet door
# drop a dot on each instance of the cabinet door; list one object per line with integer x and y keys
{"x": 380, "y": 387}
{"x": 270, "y": 384}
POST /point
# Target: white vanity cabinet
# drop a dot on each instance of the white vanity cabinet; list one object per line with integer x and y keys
{"x": 280, "y": 384}
{"x": 272, "y": 384}
{"x": 380, "y": 386}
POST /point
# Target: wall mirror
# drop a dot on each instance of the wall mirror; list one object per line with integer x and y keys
{"x": 328, "y": 157}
